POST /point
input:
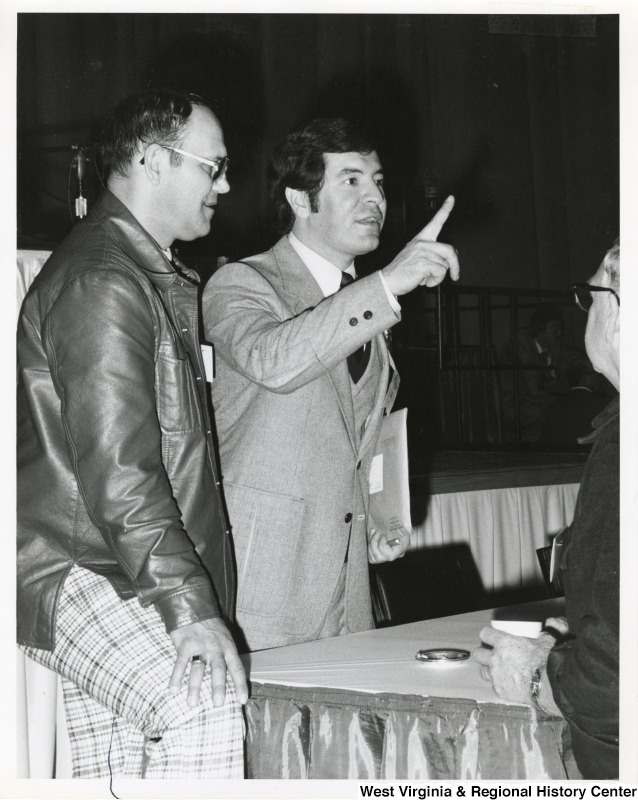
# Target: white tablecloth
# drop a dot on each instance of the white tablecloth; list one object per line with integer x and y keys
{"x": 30, "y": 262}
{"x": 503, "y": 527}
{"x": 384, "y": 660}
{"x": 362, "y": 707}
{"x": 42, "y": 741}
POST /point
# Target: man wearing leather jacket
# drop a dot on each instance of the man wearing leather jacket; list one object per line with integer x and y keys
{"x": 125, "y": 574}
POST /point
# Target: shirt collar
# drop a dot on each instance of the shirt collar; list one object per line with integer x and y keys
{"x": 323, "y": 271}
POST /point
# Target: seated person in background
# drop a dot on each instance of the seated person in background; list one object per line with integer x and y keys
{"x": 576, "y": 676}
{"x": 544, "y": 361}
{"x": 569, "y": 418}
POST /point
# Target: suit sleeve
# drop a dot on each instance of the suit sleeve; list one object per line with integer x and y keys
{"x": 253, "y": 331}
{"x": 100, "y": 343}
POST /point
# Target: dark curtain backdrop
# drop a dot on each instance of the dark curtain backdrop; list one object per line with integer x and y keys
{"x": 518, "y": 117}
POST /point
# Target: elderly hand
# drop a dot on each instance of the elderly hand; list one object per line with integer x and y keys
{"x": 212, "y": 642}
{"x": 387, "y": 545}
{"x": 424, "y": 261}
{"x": 509, "y": 662}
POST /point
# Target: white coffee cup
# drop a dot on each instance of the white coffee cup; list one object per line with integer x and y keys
{"x": 518, "y": 627}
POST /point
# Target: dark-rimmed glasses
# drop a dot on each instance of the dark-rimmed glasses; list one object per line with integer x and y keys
{"x": 219, "y": 165}
{"x": 583, "y": 293}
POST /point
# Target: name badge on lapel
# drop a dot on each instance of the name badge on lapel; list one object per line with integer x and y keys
{"x": 207, "y": 357}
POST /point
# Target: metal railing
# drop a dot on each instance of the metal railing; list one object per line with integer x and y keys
{"x": 458, "y": 346}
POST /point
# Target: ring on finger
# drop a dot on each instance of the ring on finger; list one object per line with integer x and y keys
{"x": 198, "y": 660}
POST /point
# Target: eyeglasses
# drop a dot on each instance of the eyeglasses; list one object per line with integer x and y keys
{"x": 219, "y": 165}
{"x": 583, "y": 294}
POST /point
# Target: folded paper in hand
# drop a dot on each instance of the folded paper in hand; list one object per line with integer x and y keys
{"x": 389, "y": 475}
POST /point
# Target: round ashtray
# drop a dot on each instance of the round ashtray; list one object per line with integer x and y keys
{"x": 440, "y": 655}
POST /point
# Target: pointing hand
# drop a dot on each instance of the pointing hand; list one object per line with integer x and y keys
{"x": 424, "y": 261}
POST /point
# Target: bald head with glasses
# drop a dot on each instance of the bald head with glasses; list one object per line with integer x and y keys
{"x": 167, "y": 161}
{"x": 572, "y": 668}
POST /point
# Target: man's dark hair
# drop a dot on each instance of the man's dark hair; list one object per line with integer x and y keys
{"x": 158, "y": 116}
{"x": 297, "y": 161}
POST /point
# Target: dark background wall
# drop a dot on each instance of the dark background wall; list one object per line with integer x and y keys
{"x": 517, "y": 116}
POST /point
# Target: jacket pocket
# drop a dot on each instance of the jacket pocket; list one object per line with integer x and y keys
{"x": 266, "y": 529}
{"x": 177, "y": 402}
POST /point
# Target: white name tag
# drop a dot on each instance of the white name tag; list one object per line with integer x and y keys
{"x": 207, "y": 356}
{"x": 376, "y": 474}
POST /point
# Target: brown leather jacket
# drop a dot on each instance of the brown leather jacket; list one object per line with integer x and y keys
{"x": 116, "y": 470}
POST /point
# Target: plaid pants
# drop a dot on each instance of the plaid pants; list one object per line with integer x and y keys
{"x": 115, "y": 659}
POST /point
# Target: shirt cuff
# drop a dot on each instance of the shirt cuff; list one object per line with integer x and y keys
{"x": 394, "y": 304}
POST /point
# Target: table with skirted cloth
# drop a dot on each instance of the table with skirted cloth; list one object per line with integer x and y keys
{"x": 503, "y": 506}
{"x": 362, "y": 707}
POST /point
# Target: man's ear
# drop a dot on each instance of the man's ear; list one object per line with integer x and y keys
{"x": 153, "y": 158}
{"x": 299, "y": 202}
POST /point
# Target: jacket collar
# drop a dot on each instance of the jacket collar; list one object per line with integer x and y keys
{"x": 302, "y": 292}
{"x": 297, "y": 283}
{"x": 139, "y": 246}
{"x": 328, "y": 276}
{"x": 610, "y": 413}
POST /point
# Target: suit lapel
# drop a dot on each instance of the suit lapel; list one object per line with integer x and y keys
{"x": 342, "y": 383}
{"x": 380, "y": 398}
{"x": 300, "y": 291}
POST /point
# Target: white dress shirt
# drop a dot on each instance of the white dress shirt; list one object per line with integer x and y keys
{"x": 327, "y": 275}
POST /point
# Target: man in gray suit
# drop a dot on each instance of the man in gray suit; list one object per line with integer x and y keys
{"x": 303, "y": 378}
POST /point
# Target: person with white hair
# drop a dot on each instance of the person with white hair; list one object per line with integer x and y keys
{"x": 573, "y": 670}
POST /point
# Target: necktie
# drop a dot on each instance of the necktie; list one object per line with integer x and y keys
{"x": 357, "y": 361}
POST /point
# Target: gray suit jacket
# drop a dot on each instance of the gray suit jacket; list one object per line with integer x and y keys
{"x": 295, "y": 471}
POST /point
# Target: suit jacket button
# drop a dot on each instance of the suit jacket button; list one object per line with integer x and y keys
{"x": 353, "y": 321}
{"x": 367, "y": 314}
{"x": 348, "y": 517}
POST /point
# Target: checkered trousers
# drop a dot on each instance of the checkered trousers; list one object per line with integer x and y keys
{"x": 115, "y": 659}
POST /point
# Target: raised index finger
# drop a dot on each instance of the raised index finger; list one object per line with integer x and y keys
{"x": 433, "y": 228}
